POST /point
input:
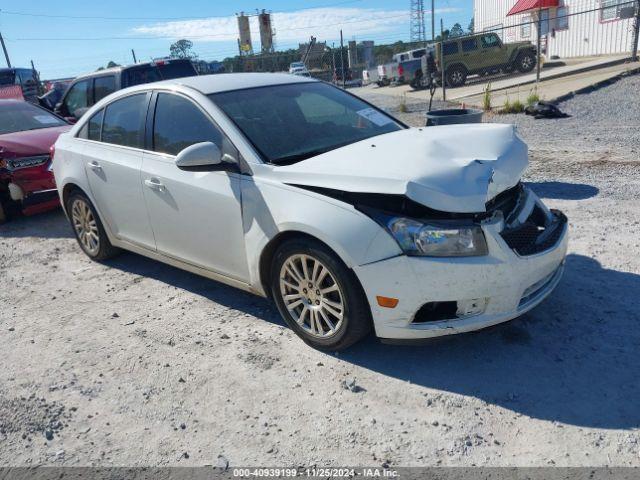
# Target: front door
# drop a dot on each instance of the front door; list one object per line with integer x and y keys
{"x": 196, "y": 215}
{"x": 113, "y": 159}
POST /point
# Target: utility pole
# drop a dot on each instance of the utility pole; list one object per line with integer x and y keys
{"x": 135, "y": 60}
{"x": 333, "y": 61}
{"x": 433, "y": 20}
{"x": 342, "y": 59}
{"x": 442, "y": 65}
{"x": 6, "y": 54}
{"x": 636, "y": 33}
{"x": 538, "y": 47}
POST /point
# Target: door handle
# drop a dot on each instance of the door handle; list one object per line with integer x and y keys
{"x": 94, "y": 165}
{"x": 154, "y": 184}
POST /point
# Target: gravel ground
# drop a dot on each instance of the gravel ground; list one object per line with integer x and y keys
{"x": 133, "y": 362}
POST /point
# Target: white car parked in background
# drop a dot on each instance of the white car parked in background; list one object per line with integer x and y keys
{"x": 299, "y": 68}
{"x": 291, "y": 188}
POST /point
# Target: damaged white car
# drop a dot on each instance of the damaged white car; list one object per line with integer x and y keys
{"x": 293, "y": 189}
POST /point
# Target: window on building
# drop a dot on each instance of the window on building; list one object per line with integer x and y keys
{"x": 562, "y": 20}
{"x": 525, "y": 27}
{"x": 610, "y": 9}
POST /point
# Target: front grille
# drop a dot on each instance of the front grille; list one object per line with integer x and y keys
{"x": 535, "y": 235}
{"x": 27, "y": 162}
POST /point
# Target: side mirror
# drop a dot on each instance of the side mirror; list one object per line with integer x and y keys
{"x": 199, "y": 155}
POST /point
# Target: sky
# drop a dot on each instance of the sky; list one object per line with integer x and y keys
{"x": 70, "y": 37}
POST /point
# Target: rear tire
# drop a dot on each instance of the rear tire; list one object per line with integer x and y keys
{"x": 456, "y": 76}
{"x": 88, "y": 228}
{"x": 525, "y": 62}
{"x": 318, "y": 296}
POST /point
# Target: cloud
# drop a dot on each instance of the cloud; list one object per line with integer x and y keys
{"x": 323, "y": 23}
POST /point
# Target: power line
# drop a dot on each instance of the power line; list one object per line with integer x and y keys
{"x": 98, "y": 17}
{"x": 213, "y": 35}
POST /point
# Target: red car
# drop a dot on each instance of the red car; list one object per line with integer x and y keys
{"x": 27, "y": 134}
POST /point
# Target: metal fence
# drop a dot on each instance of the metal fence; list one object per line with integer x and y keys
{"x": 505, "y": 43}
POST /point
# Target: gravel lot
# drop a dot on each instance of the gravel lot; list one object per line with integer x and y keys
{"x": 137, "y": 363}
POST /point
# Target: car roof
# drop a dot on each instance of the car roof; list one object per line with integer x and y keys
{"x": 224, "y": 82}
{"x": 120, "y": 68}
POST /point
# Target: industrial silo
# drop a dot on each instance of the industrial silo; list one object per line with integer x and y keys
{"x": 266, "y": 31}
{"x": 244, "y": 43}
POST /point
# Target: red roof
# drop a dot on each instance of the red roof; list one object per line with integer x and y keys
{"x": 526, "y": 5}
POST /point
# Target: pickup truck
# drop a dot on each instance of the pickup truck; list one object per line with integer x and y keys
{"x": 403, "y": 67}
{"x": 480, "y": 54}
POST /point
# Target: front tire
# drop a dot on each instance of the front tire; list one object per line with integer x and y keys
{"x": 88, "y": 228}
{"x": 318, "y": 296}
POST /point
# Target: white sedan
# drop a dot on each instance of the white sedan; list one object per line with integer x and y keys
{"x": 293, "y": 189}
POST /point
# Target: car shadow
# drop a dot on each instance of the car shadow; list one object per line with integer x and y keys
{"x": 563, "y": 190}
{"x": 572, "y": 360}
{"x": 217, "y": 292}
{"x": 51, "y": 224}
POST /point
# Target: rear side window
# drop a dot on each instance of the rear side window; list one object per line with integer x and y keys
{"x": 123, "y": 121}
{"x": 469, "y": 45}
{"x": 103, "y": 86}
{"x": 179, "y": 124}
{"x": 95, "y": 126}
{"x": 450, "y": 48}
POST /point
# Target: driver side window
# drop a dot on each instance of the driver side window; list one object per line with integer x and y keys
{"x": 179, "y": 123}
{"x": 77, "y": 99}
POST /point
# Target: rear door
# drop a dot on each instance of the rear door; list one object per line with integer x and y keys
{"x": 113, "y": 159}
{"x": 470, "y": 53}
{"x": 196, "y": 215}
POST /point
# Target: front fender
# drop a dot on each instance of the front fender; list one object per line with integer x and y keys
{"x": 270, "y": 209}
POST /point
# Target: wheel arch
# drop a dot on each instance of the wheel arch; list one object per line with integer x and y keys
{"x": 457, "y": 65}
{"x": 269, "y": 250}
{"x": 67, "y": 190}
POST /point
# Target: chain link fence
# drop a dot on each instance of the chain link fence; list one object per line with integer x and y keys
{"x": 506, "y": 41}
{"x": 533, "y": 44}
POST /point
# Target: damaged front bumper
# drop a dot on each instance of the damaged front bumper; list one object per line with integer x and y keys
{"x": 444, "y": 296}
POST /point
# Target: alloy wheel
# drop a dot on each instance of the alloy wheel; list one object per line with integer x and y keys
{"x": 85, "y": 225}
{"x": 312, "y": 295}
{"x": 526, "y": 62}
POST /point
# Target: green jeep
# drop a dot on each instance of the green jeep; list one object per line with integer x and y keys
{"x": 483, "y": 53}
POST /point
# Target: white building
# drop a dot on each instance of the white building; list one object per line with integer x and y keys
{"x": 569, "y": 28}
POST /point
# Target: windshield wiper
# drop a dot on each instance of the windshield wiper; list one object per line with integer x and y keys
{"x": 298, "y": 157}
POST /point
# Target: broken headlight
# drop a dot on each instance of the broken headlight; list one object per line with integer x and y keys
{"x": 435, "y": 239}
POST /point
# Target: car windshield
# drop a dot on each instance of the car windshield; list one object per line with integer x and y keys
{"x": 21, "y": 116}
{"x": 293, "y": 122}
{"x": 166, "y": 70}
{"x": 7, "y": 77}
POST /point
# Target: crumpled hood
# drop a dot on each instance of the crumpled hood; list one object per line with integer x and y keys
{"x": 455, "y": 168}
